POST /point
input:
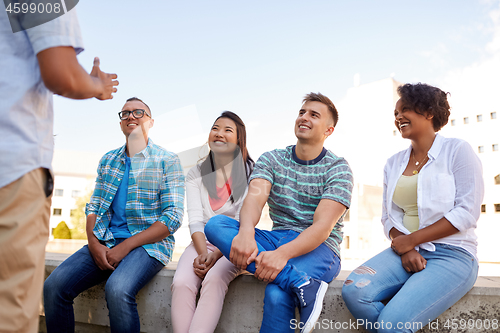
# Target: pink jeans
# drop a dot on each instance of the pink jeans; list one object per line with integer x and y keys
{"x": 186, "y": 316}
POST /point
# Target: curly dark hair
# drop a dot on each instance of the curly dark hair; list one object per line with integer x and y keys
{"x": 423, "y": 98}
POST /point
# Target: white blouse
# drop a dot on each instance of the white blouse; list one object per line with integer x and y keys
{"x": 198, "y": 205}
{"x": 450, "y": 185}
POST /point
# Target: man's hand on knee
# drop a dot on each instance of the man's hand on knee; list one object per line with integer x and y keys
{"x": 115, "y": 255}
{"x": 98, "y": 252}
{"x": 244, "y": 250}
{"x": 269, "y": 264}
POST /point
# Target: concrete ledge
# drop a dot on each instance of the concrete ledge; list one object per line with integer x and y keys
{"x": 242, "y": 310}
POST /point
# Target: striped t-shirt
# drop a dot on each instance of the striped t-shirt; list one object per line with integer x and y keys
{"x": 298, "y": 186}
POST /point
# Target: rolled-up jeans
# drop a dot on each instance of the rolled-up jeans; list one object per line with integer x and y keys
{"x": 279, "y": 301}
{"x": 79, "y": 272}
{"x": 383, "y": 296}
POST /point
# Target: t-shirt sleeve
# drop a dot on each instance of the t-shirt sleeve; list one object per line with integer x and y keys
{"x": 264, "y": 167}
{"x": 339, "y": 184}
{"x": 62, "y": 31}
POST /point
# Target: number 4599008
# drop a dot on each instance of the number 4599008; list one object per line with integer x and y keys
{"x": 472, "y": 324}
{"x": 33, "y": 8}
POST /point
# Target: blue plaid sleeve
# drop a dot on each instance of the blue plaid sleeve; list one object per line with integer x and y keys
{"x": 172, "y": 195}
{"x": 93, "y": 206}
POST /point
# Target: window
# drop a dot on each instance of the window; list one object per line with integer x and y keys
{"x": 75, "y": 194}
{"x": 479, "y": 118}
{"x": 453, "y": 122}
{"x": 497, "y": 208}
{"x": 494, "y": 147}
{"x": 497, "y": 179}
{"x": 394, "y": 133}
{"x": 58, "y": 192}
{"x": 483, "y": 208}
{"x": 466, "y": 120}
{"x": 480, "y": 149}
{"x": 347, "y": 241}
{"x": 493, "y": 115}
{"x": 72, "y": 212}
{"x": 57, "y": 212}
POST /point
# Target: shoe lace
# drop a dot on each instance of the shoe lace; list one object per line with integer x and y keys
{"x": 301, "y": 297}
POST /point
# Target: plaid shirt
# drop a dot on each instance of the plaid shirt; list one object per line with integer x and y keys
{"x": 155, "y": 193}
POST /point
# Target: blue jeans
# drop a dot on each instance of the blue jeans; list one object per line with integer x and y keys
{"x": 279, "y": 301}
{"x": 79, "y": 272}
{"x": 414, "y": 299}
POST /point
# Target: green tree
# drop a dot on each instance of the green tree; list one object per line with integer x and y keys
{"x": 62, "y": 231}
{"x": 78, "y": 218}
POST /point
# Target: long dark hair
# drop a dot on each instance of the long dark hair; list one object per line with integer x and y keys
{"x": 242, "y": 163}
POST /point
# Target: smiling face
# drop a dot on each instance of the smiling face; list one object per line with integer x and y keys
{"x": 410, "y": 123}
{"x": 223, "y": 137}
{"x": 314, "y": 122}
{"x": 133, "y": 125}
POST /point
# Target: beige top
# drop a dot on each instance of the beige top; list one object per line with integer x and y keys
{"x": 405, "y": 197}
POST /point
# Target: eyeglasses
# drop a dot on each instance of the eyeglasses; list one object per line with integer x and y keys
{"x": 137, "y": 113}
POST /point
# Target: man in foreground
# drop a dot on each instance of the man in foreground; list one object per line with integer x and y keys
{"x": 34, "y": 64}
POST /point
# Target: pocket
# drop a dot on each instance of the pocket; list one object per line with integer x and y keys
{"x": 457, "y": 249}
{"x": 442, "y": 187}
{"x": 49, "y": 183}
{"x": 289, "y": 236}
{"x": 148, "y": 186}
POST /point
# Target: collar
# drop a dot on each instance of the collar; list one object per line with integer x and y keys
{"x": 433, "y": 152}
{"x": 122, "y": 153}
{"x": 310, "y": 162}
{"x": 436, "y": 147}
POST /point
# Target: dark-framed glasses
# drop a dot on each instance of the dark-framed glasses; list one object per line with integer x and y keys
{"x": 137, "y": 113}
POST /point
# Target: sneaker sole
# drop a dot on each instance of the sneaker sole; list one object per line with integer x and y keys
{"x": 318, "y": 306}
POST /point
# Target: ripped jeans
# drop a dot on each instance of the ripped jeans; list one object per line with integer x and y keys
{"x": 386, "y": 298}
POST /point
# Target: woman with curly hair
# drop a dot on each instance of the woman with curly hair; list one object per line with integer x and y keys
{"x": 431, "y": 203}
{"x": 216, "y": 186}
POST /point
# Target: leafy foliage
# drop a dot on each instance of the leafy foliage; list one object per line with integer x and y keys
{"x": 62, "y": 231}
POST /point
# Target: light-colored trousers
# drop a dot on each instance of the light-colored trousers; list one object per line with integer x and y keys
{"x": 186, "y": 316}
{"x": 24, "y": 231}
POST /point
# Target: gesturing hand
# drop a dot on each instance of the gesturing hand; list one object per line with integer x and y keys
{"x": 108, "y": 81}
{"x": 268, "y": 265}
{"x": 413, "y": 261}
{"x": 244, "y": 250}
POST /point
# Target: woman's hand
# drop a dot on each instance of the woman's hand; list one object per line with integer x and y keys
{"x": 204, "y": 262}
{"x": 413, "y": 261}
{"x": 402, "y": 244}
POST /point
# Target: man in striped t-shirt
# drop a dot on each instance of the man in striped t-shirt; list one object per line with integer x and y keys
{"x": 308, "y": 190}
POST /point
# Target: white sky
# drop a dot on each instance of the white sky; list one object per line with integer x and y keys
{"x": 190, "y": 60}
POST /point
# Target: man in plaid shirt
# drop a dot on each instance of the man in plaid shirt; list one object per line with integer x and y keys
{"x": 136, "y": 207}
